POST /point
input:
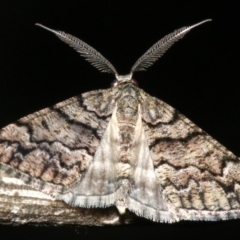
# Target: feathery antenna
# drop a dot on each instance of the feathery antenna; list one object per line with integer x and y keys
{"x": 160, "y": 47}
{"x": 145, "y": 61}
{"x": 89, "y": 53}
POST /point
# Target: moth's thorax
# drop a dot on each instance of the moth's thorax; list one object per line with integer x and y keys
{"x": 127, "y": 114}
{"x": 127, "y": 103}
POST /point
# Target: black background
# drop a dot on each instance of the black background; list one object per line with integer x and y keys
{"x": 199, "y": 76}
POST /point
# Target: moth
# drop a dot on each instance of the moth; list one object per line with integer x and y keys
{"x": 123, "y": 147}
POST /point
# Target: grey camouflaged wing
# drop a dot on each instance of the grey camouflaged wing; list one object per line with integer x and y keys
{"x": 199, "y": 179}
{"x": 52, "y": 149}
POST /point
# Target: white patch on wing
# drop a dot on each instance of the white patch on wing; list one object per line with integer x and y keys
{"x": 98, "y": 186}
{"x": 145, "y": 198}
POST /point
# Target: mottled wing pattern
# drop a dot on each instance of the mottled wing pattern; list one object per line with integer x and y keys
{"x": 52, "y": 149}
{"x": 196, "y": 178}
{"x": 122, "y": 147}
{"x": 173, "y": 171}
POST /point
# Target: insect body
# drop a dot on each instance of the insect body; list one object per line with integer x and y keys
{"x": 123, "y": 147}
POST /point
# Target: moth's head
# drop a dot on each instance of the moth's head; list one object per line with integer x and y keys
{"x": 123, "y": 79}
